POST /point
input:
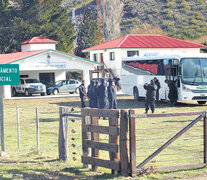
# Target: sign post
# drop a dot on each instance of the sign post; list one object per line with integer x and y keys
{"x": 9, "y": 75}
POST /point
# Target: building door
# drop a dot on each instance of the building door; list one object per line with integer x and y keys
{"x": 101, "y": 58}
{"x": 47, "y": 78}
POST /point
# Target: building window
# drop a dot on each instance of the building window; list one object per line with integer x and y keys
{"x": 132, "y": 53}
{"x": 95, "y": 57}
{"x": 112, "y": 56}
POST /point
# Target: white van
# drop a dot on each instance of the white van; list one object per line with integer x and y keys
{"x": 28, "y": 87}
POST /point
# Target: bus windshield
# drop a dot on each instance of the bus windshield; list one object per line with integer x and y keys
{"x": 194, "y": 70}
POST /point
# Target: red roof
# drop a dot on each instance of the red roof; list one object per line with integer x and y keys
{"x": 39, "y": 40}
{"x": 10, "y": 57}
{"x": 145, "y": 41}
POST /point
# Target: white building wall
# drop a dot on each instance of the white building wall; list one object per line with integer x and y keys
{"x": 34, "y": 47}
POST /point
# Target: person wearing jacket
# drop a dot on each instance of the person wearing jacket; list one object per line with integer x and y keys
{"x": 90, "y": 94}
{"x": 102, "y": 95}
{"x": 82, "y": 93}
{"x": 112, "y": 94}
{"x": 157, "y": 83}
{"x": 150, "y": 96}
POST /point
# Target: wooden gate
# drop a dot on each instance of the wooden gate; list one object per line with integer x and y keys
{"x": 117, "y": 142}
{"x": 134, "y": 168}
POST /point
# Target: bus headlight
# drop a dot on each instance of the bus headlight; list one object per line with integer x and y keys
{"x": 186, "y": 88}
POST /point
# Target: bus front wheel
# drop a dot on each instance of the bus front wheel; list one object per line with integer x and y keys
{"x": 201, "y": 102}
{"x": 136, "y": 94}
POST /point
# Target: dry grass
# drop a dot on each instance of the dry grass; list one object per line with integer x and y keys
{"x": 26, "y": 163}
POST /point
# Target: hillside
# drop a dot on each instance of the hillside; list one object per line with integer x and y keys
{"x": 185, "y": 19}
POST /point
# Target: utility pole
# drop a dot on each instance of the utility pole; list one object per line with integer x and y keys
{"x": 98, "y": 20}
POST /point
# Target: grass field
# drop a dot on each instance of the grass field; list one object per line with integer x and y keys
{"x": 26, "y": 163}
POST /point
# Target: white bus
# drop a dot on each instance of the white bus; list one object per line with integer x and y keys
{"x": 188, "y": 71}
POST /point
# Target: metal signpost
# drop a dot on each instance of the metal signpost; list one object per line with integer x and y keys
{"x": 9, "y": 75}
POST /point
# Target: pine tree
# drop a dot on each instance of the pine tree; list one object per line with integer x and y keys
{"x": 54, "y": 24}
{"x": 29, "y": 18}
{"x": 88, "y": 33}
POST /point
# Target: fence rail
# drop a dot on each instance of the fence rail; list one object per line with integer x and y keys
{"x": 121, "y": 145}
{"x": 135, "y": 139}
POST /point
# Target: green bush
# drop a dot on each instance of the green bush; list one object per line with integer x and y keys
{"x": 171, "y": 4}
{"x": 155, "y": 11}
{"x": 149, "y": 16}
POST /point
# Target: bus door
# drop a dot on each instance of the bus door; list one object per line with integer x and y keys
{"x": 172, "y": 72}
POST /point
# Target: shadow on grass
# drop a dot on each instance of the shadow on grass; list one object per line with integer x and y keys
{"x": 129, "y": 103}
{"x": 49, "y": 120}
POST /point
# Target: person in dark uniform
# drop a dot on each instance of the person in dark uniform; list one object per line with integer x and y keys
{"x": 112, "y": 94}
{"x": 102, "y": 95}
{"x": 90, "y": 94}
{"x": 82, "y": 92}
{"x": 150, "y": 96}
{"x": 157, "y": 83}
{"x": 173, "y": 93}
{"x": 116, "y": 81}
{"x": 95, "y": 95}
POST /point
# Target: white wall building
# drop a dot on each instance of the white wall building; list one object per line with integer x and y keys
{"x": 112, "y": 52}
{"x": 40, "y": 60}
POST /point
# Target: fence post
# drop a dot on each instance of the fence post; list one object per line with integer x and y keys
{"x": 63, "y": 135}
{"x": 205, "y": 137}
{"x": 94, "y": 137}
{"x": 18, "y": 127}
{"x": 113, "y": 122}
{"x": 132, "y": 143}
{"x": 37, "y": 130}
{"x": 124, "y": 160}
{"x": 86, "y": 120}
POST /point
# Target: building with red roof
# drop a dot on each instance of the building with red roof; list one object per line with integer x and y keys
{"x": 112, "y": 52}
{"x": 40, "y": 60}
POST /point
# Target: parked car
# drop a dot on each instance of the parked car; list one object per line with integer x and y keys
{"x": 47, "y": 84}
{"x": 28, "y": 87}
{"x": 64, "y": 86}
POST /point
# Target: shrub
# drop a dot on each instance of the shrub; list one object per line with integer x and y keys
{"x": 171, "y": 4}
{"x": 149, "y": 16}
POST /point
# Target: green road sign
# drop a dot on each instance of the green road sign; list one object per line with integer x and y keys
{"x": 9, "y": 74}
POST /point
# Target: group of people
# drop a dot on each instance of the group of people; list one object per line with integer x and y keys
{"x": 152, "y": 93}
{"x": 99, "y": 94}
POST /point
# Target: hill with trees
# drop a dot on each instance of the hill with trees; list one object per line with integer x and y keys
{"x": 23, "y": 19}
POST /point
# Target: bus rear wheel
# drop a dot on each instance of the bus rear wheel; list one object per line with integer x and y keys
{"x": 136, "y": 94}
{"x": 201, "y": 102}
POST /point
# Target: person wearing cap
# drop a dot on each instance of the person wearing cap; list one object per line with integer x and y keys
{"x": 150, "y": 95}
{"x": 157, "y": 83}
{"x": 90, "y": 94}
{"x": 82, "y": 93}
{"x": 95, "y": 95}
{"x": 102, "y": 95}
{"x": 112, "y": 94}
{"x": 173, "y": 93}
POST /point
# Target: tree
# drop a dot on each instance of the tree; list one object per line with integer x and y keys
{"x": 54, "y": 24}
{"x": 88, "y": 33}
{"x": 29, "y": 18}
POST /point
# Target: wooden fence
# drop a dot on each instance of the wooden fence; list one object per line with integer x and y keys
{"x": 120, "y": 126}
{"x": 117, "y": 139}
{"x": 134, "y": 168}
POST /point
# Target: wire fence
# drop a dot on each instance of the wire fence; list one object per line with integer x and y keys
{"x": 151, "y": 134}
{"x": 31, "y": 130}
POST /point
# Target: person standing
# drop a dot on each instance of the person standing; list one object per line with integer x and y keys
{"x": 112, "y": 94}
{"x": 150, "y": 96}
{"x": 95, "y": 95}
{"x": 116, "y": 81}
{"x": 82, "y": 93}
{"x": 102, "y": 95}
{"x": 157, "y": 83}
{"x": 173, "y": 93}
{"x": 90, "y": 93}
